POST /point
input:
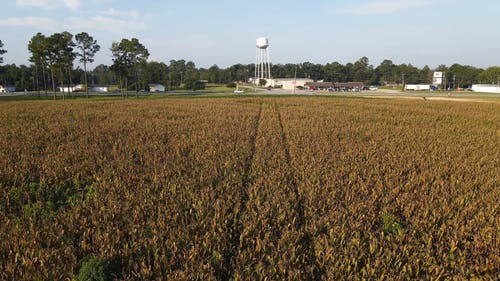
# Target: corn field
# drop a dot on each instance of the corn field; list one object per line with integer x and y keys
{"x": 250, "y": 189}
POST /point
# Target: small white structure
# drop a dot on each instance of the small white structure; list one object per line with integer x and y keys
{"x": 417, "y": 87}
{"x": 71, "y": 89}
{"x": 66, "y": 89}
{"x": 79, "y": 88}
{"x": 486, "y": 88}
{"x": 2, "y": 89}
{"x": 98, "y": 88}
{"x": 153, "y": 88}
{"x": 263, "y": 64}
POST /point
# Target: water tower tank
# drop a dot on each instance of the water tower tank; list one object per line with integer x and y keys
{"x": 262, "y": 43}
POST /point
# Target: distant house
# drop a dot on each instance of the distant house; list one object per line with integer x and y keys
{"x": 153, "y": 88}
{"x": 98, "y": 88}
{"x": 79, "y": 88}
{"x": 67, "y": 89}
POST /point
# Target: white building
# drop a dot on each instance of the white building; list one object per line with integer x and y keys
{"x": 66, "y": 89}
{"x": 153, "y": 88}
{"x": 288, "y": 83}
{"x": 98, "y": 88}
{"x": 81, "y": 88}
{"x": 486, "y": 88}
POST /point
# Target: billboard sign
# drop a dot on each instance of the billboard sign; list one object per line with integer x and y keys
{"x": 438, "y": 78}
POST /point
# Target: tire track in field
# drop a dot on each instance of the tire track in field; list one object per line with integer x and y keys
{"x": 306, "y": 239}
{"x": 273, "y": 243}
{"x": 236, "y": 226}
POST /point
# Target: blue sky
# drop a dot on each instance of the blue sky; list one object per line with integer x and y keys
{"x": 223, "y": 32}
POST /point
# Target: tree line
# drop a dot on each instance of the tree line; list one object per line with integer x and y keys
{"x": 53, "y": 63}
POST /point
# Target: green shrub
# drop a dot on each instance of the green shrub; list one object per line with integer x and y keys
{"x": 94, "y": 269}
{"x": 392, "y": 224}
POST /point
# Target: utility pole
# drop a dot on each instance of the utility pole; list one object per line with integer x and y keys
{"x": 404, "y": 84}
{"x": 444, "y": 81}
{"x": 295, "y": 77}
{"x": 295, "y": 80}
{"x": 454, "y": 80}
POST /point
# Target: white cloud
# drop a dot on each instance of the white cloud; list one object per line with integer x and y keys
{"x": 36, "y": 3}
{"x": 39, "y": 23}
{"x": 50, "y": 4}
{"x": 105, "y": 23}
{"x": 381, "y": 7}
{"x": 117, "y": 13}
{"x": 72, "y": 4}
{"x": 96, "y": 23}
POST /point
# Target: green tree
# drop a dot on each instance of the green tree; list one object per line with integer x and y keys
{"x": 69, "y": 57}
{"x": 237, "y": 72}
{"x": 2, "y": 51}
{"x": 362, "y": 70}
{"x": 60, "y": 56}
{"x": 157, "y": 72}
{"x": 334, "y": 72}
{"x": 102, "y": 74}
{"x": 177, "y": 69}
{"x": 52, "y": 58}
{"x": 348, "y": 71}
{"x": 385, "y": 72}
{"x": 310, "y": 70}
{"x": 191, "y": 80}
{"x": 490, "y": 75}
{"x": 130, "y": 54}
{"x": 463, "y": 75}
{"x": 406, "y": 74}
{"x": 425, "y": 75}
{"x": 214, "y": 74}
{"x": 87, "y": 47}
{"x": 37, "y": 46}
{"x": 120, "y": 67}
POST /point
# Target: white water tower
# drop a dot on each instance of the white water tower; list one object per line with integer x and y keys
{"x": 263, "y": 65}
